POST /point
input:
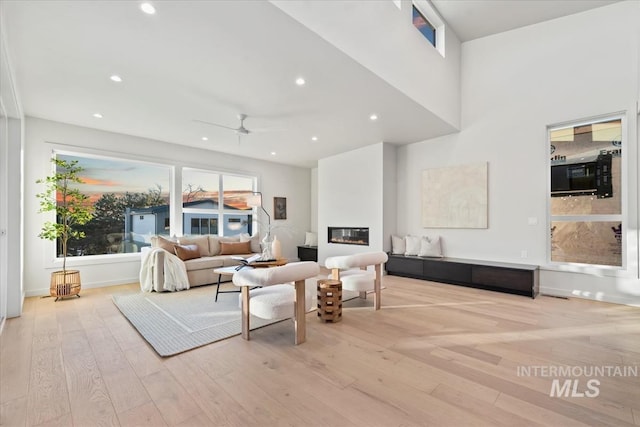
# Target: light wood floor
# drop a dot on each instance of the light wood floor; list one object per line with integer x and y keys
{"x": 435, "y": 354}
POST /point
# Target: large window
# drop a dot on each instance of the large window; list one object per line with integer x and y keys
{"x": 586, "y": 194}
{"x": 130, "y": 203}
{"x": 215, "y": 203}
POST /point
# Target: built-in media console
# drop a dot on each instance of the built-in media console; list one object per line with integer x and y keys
{"x": 521, "y": 279}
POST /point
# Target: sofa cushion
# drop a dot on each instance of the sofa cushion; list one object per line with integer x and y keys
{"x": 235, "y": 248}
{"x": 204, "y": 263}
{"x": 187, "y": 252}
{"x": 214, "y": 243}
{"x": 254, "y": 240}
{"x": 163, "y": 243}
{"x": 201, "y": 241}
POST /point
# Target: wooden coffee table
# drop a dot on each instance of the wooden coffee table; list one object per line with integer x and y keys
{"x": 263, "y": 264}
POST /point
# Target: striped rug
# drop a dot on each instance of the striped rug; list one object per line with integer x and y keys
{"x": 174, "y": 322}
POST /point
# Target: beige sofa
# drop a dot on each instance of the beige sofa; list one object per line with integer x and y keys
{"x": 214, "y": 252}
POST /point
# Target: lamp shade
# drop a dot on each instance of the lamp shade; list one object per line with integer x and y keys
{"x": 254, "y": 200}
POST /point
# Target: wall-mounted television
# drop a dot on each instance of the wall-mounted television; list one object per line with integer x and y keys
{"x": 583, "y": 178}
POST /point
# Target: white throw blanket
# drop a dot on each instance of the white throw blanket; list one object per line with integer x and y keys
{"x": 175, "y": 272}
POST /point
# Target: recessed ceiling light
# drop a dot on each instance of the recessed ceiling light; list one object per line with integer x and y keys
{"x": 204, "y": 138}
{"x": 116, "y": 78}
{"x": 273, "y": 153}
{"x": 373, "y": 117}
{"x": 314, "y": 138}
{"x": 97, "y": 115}
{"x": 148, "y": 8}
{"x": 300, "y": 81}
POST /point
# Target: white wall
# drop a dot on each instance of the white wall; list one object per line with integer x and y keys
{"x": 11, "y": 139}
{"x": 514, "y": 85}
{"x": 42, "y": 136}
{"x": 382, "y": 38}
{"x": 15, "y": 208}
{"x": 390, "y": 206}
{"x": 350, "y": 194}
{"x": 314, "y": 200}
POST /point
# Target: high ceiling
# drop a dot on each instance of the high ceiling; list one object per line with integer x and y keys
{"x": 212, "y": 60}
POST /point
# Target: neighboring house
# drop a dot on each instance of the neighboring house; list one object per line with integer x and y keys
{"x": 200, "y": 217}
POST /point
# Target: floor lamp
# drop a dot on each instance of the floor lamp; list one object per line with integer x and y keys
{"x": 254, "y": 201}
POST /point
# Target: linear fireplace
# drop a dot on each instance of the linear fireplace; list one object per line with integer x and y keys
{"x": 349, "y": 235}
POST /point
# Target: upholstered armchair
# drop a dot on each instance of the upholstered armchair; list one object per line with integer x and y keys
{"x": 282, "y": 294}
{"x": 352, "y": 271}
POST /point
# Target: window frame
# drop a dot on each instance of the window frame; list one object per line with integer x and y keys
{"x": 221, "y": 212}
{"x": 434, "y": 19}
{"x": 623, "y": 217}
{"x": 175, "y": 183}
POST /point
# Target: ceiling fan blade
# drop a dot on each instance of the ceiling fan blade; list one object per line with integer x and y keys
{"x": 215, "y": 124}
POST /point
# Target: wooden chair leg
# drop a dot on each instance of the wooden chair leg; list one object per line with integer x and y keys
{"x": 245, "y": 313}
{"x": 300, "y": 327}
{"x": 376, "y": 287}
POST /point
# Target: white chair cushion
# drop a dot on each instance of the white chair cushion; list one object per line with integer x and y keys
{"x": 356, "y": 260}
{"x": 359, "y": 282}
{"x": 275, "y": 302}
{"x": 276, "y": 275}
{"x": 344, "y": 273}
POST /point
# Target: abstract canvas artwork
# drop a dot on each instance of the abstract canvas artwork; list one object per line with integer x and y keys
{"x": 455, "y": 197}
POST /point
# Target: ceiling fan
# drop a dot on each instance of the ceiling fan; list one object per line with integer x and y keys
{"x": 240, "y": 130}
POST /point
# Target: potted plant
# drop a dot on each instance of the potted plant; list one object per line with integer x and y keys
{"x": 72, "y": 210}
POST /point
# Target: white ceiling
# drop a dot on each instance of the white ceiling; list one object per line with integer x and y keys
{"x": 472, "y": 19}
{"x": 211, "y": 60}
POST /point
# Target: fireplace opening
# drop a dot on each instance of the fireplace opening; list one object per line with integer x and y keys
{"x": 349, "y": 235}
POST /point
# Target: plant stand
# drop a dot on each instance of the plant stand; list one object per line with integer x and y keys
{"x": 65, "y": 284}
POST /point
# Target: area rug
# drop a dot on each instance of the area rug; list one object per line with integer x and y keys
{"x": 174, "y": 322}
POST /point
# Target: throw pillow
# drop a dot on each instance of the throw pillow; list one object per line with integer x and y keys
{"x": 430, "y": 247}
{"x": 412, "y": 245}
{"x": 235, "y": 248}
{"x": 202, "y": 242}
{"x": 398, "y": 245}
{"x": 311, "y": 239}
{"x": 161, "y": 242}
{"x": 187, "y": 252}
{"x": 254, "y": 240}
{"x": 214, "y": 243}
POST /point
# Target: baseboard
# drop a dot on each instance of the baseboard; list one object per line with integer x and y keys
{"x": 91, "y": 285}
{"x": 614, "y": 299}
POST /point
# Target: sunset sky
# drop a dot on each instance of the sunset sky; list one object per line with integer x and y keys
{"x": 116, "y": 176}
{"x": 102, "y": 175}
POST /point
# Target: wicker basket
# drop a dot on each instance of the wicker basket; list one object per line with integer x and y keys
{"x": 330, "y": 300}
{"x": 65, "y": 284}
